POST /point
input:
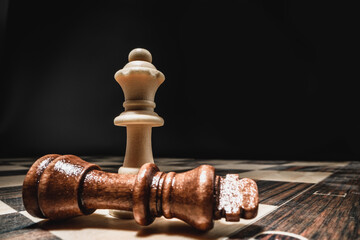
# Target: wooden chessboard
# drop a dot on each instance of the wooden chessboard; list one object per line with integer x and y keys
{"x": 298, "y": 200}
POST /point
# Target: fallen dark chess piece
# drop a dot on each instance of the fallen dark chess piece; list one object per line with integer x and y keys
{"x": 59, "y": 187}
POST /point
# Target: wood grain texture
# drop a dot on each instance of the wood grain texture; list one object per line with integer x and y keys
{"x": 343, "y": 213}
{"x": 31, "y": 232}
{"x": 10, "y": 192}
{"x": 332, "y": 214}
{"x": 276, "y": 193}
{"x": 305, "y": 168}
{"x": 15, "y": 203}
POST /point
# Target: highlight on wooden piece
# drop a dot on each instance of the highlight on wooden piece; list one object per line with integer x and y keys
{"x": 60, "y": 187}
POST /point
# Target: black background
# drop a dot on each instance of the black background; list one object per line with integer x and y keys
{"x": 244, "y": 79}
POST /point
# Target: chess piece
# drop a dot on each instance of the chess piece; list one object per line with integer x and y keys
{"x": 60, "y": 187}
{"x": 139, "y": 80}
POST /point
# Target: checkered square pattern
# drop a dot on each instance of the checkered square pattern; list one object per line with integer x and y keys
{"x": 283, "y": 185}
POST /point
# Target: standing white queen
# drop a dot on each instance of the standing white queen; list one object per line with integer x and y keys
{"x": 139, "y": 80}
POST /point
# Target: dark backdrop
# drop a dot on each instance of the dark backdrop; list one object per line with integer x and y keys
{"x": 244, "y": 79}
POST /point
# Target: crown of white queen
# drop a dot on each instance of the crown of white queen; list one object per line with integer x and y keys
{"x": 139, "y": 80}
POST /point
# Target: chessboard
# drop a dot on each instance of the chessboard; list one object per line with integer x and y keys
{"x": 298, "y": 200}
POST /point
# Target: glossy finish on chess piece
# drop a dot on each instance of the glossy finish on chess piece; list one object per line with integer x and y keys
{"x": 66, "y": 186}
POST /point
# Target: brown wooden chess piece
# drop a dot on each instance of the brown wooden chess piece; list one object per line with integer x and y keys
{"x": 60, "y": 187}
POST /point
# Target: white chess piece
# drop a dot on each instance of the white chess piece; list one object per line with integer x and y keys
{"x": 139, "y": 80}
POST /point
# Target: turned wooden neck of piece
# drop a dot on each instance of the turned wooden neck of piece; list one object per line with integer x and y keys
{"x": 152, "y": 194}
{"x": 138, "y": 146}
{"x": 59, "y": 187}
